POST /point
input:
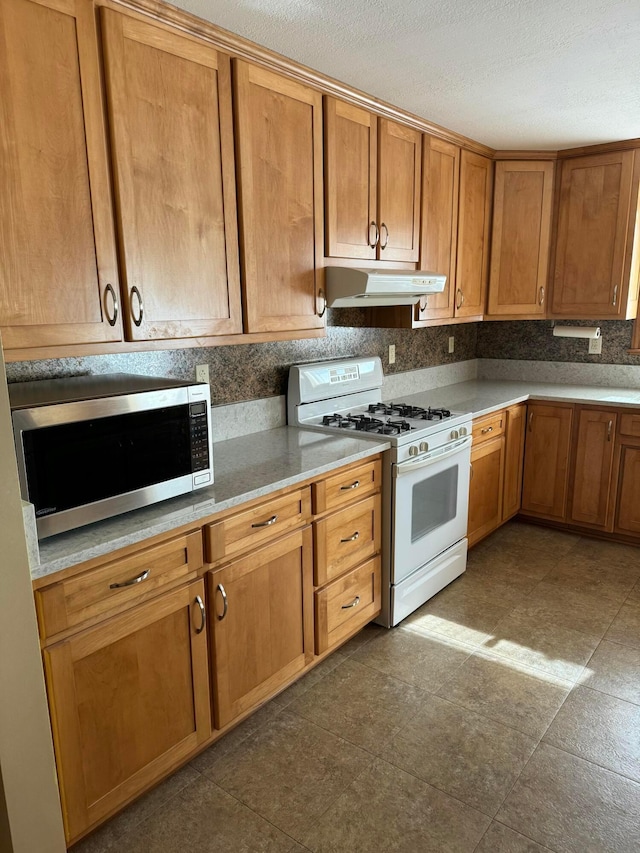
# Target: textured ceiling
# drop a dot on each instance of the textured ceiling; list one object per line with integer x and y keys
{"x": 539, "y": 74}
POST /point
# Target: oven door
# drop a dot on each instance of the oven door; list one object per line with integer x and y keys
{"x": 430, "y": 506}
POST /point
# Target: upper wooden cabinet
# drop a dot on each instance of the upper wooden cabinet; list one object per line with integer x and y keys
{"x": 58, "y": 274}
{"x": 439, "y": 230}
{"x": 372, "y": 185}
{"x": 169, "y": 100}
{"x": 522, "y": 208}
{"x": 279, "y": 147}
{"x": 474, "y": 223}
{"x": 595, "y": 236}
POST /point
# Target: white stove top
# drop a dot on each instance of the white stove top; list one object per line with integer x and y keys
{"x": 345, "y": 397}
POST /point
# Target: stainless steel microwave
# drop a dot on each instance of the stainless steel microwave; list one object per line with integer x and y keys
{"x": 89, "y": 447}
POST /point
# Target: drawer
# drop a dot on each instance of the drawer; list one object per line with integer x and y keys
{"x": 118, "y": 584}
{"x": 235, "y": 534}
{"x": 346, "y": 486}
{"x": 488, "y": 427}
{"x": 630, "y": 425}
{"x": 347, "y": 604}
{"x": 346, "y": 538}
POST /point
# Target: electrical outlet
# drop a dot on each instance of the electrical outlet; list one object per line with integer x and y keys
{"x": 202, "y": 373}
{"x": 595, "y": 346}
{"x": 452, "y": 343}
{"x": 392, "y": 353}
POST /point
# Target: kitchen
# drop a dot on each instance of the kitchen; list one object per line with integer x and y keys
{"x": 260, "y": 368}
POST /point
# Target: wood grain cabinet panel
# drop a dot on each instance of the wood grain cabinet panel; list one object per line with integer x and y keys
{"x": 279, "y": 147}
{"x": 346, "y": 538}
{"x": 347, "y": 604}
{"x": 439, "y": 229}
{"x": 485, "y": 488}
{"x": 58, "y": 274}
{"x": 594, "y": 242}
{"x": 627, "y": 518}
{"x": 399, "y": 177}
{"x": 129, "y": 700}
{"x": 351, "y": 188}
{"x": 474, "y": 224}
{"x": 521, "y": 233}
{"x": 169, "y": 100}
{"x": 261, "y": 623}
{"x": 513, "y": 460}
{"x": 592, "y": 492}
{"x": 546, "y": 460}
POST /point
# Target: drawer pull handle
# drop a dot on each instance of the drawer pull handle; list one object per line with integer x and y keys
{"x": 354, "y": 603}
{"x": 138, "y": 579}
{"x": 203, "y": 614}
{"x": 486, "y": 430}
{"x": 353, "y": 485}
{"x": 225, "y": 602}
{"x": 352, "y": 538}
{"x": 266, "y": 523}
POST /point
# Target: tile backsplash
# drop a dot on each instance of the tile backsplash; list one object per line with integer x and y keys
{"x": 532, "y": 340}
{"x": 254, "y": 371}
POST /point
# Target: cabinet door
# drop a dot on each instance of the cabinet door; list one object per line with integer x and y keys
{"x": 520, "y": 238}
{"x": 474, "y": 222}
{"x": 485, "y": 489}
{"x": 513, "y": 460}
{"x": 58, "y": 275}
{"x": 129, "y": 700}
{"x": 172, "y": 143}
{"x": 399, "y": 174}
{"x": 591, "y": 501}
{"x": 594, "y": 236}
{"x": 350, "y": 150}
{"x": 546, "y": 460}
{"x": 439, "y": 230}
{"x": 279, "y": 145}
{"x": 628, "y": 504}
{"x": 261, "y": 623}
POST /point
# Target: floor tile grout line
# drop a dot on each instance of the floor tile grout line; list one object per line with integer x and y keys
{"x": 524, "y": 835}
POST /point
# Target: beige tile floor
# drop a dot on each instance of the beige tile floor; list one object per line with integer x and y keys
{"x": 501, "y": 717}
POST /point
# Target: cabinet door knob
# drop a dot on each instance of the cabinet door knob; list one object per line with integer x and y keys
{"x": 383, "y": 246}
{"x": 225, "y": 602}
{"x": 203, "y": 614}
{"x": 135, "y": 292}
{"x": 111, "y": 320}
{"x": 138, "y": 579}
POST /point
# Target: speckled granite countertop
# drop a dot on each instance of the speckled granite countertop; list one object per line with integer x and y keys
{"x": 482, "y": 396}
{"x": 245, "y": 468}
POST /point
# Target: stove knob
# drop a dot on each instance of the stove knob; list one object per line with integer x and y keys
{"x": 454, "y": 434}
{"x": 424, "y": 447}
{"x": 413, "y": 450}
{"x": 463, "y": 431}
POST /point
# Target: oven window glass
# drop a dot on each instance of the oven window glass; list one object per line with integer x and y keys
{"x": 70, "y": 465}
{"x": 433, "y": 502}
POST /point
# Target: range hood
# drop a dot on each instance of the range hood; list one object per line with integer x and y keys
{"x": 348, "y": 288}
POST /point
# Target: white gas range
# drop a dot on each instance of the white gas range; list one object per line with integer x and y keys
{"x": 426, "y": 473}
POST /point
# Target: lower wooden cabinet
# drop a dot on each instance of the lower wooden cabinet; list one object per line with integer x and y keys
{"x": 516, "y": 419}
{"x": 592, "y": 481}
{"x": 347, "y": 604}
{"x": 261, "y": 623}
{"x": 546, "y": 460}
{"x": 627, "y": 518}
{"x": 129, "y": 701}
{"x": 485, "y": 488}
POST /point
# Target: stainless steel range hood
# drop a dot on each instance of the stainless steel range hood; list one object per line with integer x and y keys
{"x": 348, "y": 288}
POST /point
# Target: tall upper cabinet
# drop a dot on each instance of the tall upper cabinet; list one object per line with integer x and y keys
{"x": 474, "y": 234}
{"x": 279, "y": 146}
{"x": 522, "y": 208}
{"x": 372, "y": 175}
{"x": 58, "y": 274}
{"x": 594, "y": 275}
{"x": 169, "y": 99}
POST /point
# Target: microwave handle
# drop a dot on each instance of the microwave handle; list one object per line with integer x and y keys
{"x": 431, "y": 458}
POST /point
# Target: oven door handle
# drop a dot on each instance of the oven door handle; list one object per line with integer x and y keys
{"x": 403, "y": 468}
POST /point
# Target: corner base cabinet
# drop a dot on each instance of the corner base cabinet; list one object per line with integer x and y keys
{"x": 546, "y": 460}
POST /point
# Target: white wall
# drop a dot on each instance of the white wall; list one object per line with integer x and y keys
{"x": 30, "y": 818}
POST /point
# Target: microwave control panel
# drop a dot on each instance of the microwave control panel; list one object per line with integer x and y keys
{"x": 199, "y": 436}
